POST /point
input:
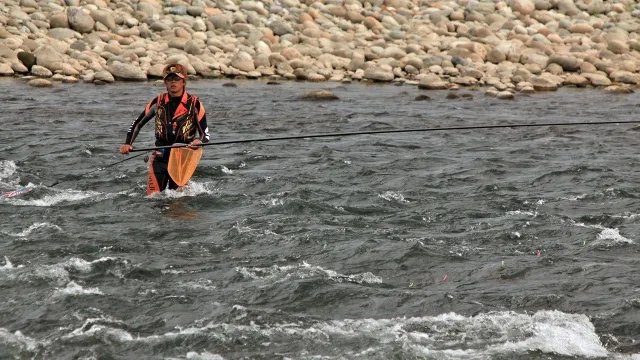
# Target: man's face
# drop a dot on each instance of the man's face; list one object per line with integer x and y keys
{"x": 174, "y": 84}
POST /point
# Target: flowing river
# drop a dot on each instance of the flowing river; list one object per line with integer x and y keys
{"x": 511, "y": 243}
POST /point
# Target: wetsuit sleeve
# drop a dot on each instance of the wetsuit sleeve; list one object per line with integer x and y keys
{"x": 148, "y": 114}
{"x": 203, "y": 129}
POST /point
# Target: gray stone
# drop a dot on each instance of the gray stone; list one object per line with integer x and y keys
{"x": 575, "y": 80}
{"x": 239, "y": 28}
{"x": 192, "y": 47}
{"x": 29, "y": 4}
{"x": 281, "y": 28}
{"x": 568, "y": 63}
{"x": 378, "y": 74}
{"x": 543, "y": 84}
{"x": 105, "y": 18}
{"x": 159, "y": 26}
{"x": 567, "y": 7}
{"x": 104, "y": 76}
{"x": 62, "y": 33}
{"x": 524, "y": 7}
{"x": 6, "y": 70}
{"x": 59, "y": 20}
{"x": 40, "y": 83}
{"x": 80, "y": 21}
{"x": 48, "y": 57}
{"x": 195, "y": 11}
{"x": 19, "y": 68}
{"x": 41, "y": 71}
{"x": 319, "y": 95}
{"x": 432, "y": 60}
{"x": 243, "y": 61}
{"x": 625, "y": 77}
{"x": 505, "y": 95}
{"x": 128, "y": 72}
{"x": 484, "y": 7}
{"x": 222, "y": 22}
{"x": 256, "y": 6}
{"x": 432, "y": 82}
{"x": 149, "y": 10}
{"x": 496, "y": 56}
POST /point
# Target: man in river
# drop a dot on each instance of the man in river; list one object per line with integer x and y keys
{"x": 179, "y": 118}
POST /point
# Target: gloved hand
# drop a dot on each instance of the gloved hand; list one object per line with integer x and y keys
{"x": 194, "y": 144}
{"x": 125, "y": 149}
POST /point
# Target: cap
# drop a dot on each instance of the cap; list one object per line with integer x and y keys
{"x": 176, "y": 69}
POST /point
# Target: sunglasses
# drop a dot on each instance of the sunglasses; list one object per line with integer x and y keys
{"x": 172, "y": 78}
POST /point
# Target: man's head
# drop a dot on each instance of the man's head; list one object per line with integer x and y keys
{"x": 175, "y": 78}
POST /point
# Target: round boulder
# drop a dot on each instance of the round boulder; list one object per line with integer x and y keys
{"x": 281, "y": 28}
{"x": 318, "y": 95}
{"x": 40, "y": 83}
{"x": 6, "y": 69}
{"x": 41, "y": 71}
{"x": 60, "y": 33}
{"x": 80, "y": 21}
{"x": 127, "y": 72}
{"x": 378, "y": 74}
{"x": 243, "y": 62}
{"x": 59, "y": 20}
{"x": 505, "y": 95}
{"x": 432, "y": 82}
{"x": 48, "y": 57}
{"x": 27, "y": 59}
{"x": 568, "y": 63}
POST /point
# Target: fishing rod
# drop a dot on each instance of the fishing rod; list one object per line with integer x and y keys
{"x": 30, "y": 187}
{"x": 369, "y": 132}
{"x": 98, "y": 169}
{"x": 374, "y": 132}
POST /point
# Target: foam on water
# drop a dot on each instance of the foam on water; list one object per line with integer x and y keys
{"x": 8, "y": 265}
{"x": 192, "y": 188}
{"x": 7, "y": 169}
{"x": 575, "y": 198}
{"x": 56, "y": 273}
{"x": 607, "y": 236}
{"x": 73, "y": 289}
{"x": 448, "y": 336}
{"x": 17, "y": 342}
{"x": 84, "y": 266}
{"x": 523, "y": 212}
{"x": 394, "y": 197}
{"x": 192, "y": 355}
{"x": 558, "y": 333}
{"x": 199, "y": 284}
{"x": 99, "y": 328}
{"x": 277, "y": 274}
{"x": 273, "y": 202}
{"x": 34, "y": 227}
{"x": 61, "y": 197}
{"x": 614, "y": 235}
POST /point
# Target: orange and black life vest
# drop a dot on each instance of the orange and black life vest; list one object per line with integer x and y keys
{"x": 177, "y": 120}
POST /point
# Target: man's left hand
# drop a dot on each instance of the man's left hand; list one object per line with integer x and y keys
{"x": 195, "y": 144}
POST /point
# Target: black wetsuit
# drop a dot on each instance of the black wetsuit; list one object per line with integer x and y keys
{"x": 179, "y": 119}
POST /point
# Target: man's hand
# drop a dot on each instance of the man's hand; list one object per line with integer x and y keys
{"x": 194, "y": 144}
{"x": 125, "y": 149}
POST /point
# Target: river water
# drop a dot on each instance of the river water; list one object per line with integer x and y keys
{"x": 512, "y": 243}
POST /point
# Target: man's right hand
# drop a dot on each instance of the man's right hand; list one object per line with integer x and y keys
{"x": 125, "y": 149}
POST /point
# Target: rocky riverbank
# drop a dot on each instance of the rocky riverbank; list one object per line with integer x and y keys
{"x": 508, "y": 46}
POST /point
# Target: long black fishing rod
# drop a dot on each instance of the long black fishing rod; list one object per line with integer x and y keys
{"x": 374, "y": 132}
{"x": 98, "y": 169}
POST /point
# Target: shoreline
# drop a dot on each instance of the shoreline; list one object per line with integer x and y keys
{"x": 505, "y": 47}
